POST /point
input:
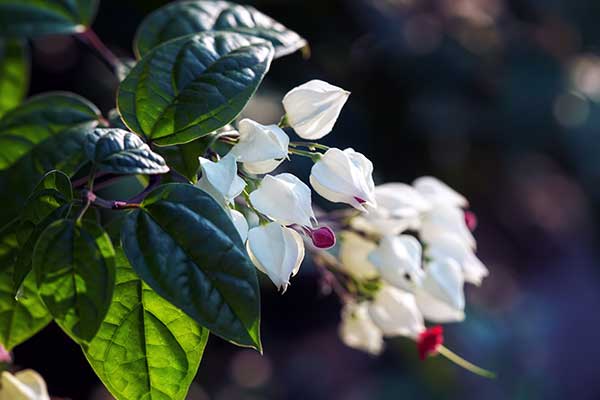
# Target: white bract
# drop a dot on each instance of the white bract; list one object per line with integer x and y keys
{"x": 354, "y": 256}
{"x": 313, "y": 108}
{"x": 358, "y": 331}
{"x": 276, "y": 251}
{"x": 447, "y": 246}
{"x": 261, "y": 148}
{"x": 220, "y": 179}
{"x": 395, "y": 312}
{"x": 23, "y": 385}
{"x": 344, "y": 177}
{"x": 446, "y": 219}
{"x": 398, "y": 260}
{"x": 285, "y": 199}
{"x": 438, "y": 193}
{"x": 440, "y": 297}
{"x": 240, "y": 223}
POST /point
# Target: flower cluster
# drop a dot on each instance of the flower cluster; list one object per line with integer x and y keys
{"x": 405, "y": 251}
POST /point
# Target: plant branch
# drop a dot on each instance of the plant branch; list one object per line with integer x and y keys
{"x": 92, "y": 40}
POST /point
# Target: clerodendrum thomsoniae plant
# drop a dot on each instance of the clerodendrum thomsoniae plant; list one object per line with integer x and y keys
{"x": 140, "y": 282}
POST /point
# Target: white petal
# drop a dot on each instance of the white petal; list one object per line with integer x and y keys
{"x": 262, "y": 167}
{"x": 240, "y": 223}
{"x": 276, "y": 251}
{"x": 395, "y": 312}
{"x": 354, "y": 255}
{"x": 313, "y": 108}
{"x": 259, "y": 143}
{"x": 437, "y": 192}
{"x": 443, "y": 220}
{"x": 24, "y": 385}
{"x": 284, "y": 198}
{"x": 358, "y": 331}
{"x": 440, "y": 297}
{"x": 447, "y": 246}
{"x": 220, "y": 178}
{"x": 398, "y": 260}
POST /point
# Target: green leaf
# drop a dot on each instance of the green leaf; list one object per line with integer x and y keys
{"x": 14, "y": 73}
{"x": 42, "y": 17}
{"x": 191, "y": 86}
{"x": 183, "y": 158}
{"x": 183, "y": 244}
{"x": 121, "y": 152}
{"x": 146, "y": 347}
{"x": 186, "y": 17}
{"x": 19, "y": 319}
{"x": 39, "y": 119}
{"x": 74, "y": 265}
{"x": 50, "y": 201}
{"x": 64, "y": 120}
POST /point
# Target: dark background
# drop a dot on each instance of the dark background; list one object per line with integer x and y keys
{"x": 499, "y": 98}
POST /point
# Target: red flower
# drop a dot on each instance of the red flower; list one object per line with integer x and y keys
{"x": 429, "y": 341}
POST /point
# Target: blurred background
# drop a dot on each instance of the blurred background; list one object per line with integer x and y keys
{"x": 498, "y": 98}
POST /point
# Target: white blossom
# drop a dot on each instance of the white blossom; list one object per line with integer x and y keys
{"x": 220, "y": 179}
{"x": 240, "y": 223}
{"x": 344, "y": 177}
{"x": 276, "y": 251}
{"x": 23, "y": 385}
{"x": 261, "y": 148}
{"x": 313, "y": 108}
{"x": 395, "y": 312}
{"x": 358, "y": 331}
{"x": 354, "y": 255}
{"x": 437, "y": 192}
{"x": 398, "y": 260}
{"x": 449, "y": 246}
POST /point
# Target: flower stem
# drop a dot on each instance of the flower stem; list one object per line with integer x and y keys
{"x": 461, "y": 362}
{"x": 312, "y": 146}
{"x": 90, "y": 38}
{"x": 313, "y": 156}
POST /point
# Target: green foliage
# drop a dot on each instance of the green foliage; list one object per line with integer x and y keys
{"x": 14, "y": 73}
{"x": 183, "y": 244}
{"x": 41, "y": 17}
{"x": 74, "y": 266}
{"x": 192, "y": 86}
{"x": 122, "y": 152}
{"x": 182, "y": 18}
{"x": 145, "y": 346}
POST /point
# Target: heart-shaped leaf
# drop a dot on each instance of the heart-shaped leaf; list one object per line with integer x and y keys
{"x": 194, "y": 85}
{"x": 74, "y": 265}
{"x": 121, "y": 152}
{"x": 146, "y": 347}
{"x": 22, "y": 317}
{"x": 41, "y": 17}
{"x": 50, "y": 201}
{"x": 182, "y": 18}
{"x": 183, "y": 244}
{"x": 14, "y": 73}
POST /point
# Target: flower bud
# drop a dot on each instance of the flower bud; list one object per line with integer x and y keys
{"x": 285, "y": 199}
{"x": 395, "y": 312}
{"x": 358, "y": 331}
{"x": 344, "y": 177}
{"x": 398, "y": 260}
{"x": 322, "y": 237}
{"x": 276, "y": 251}
{"x": 261, "y": 148}
{"x": 220, "y": 179}
{"x": 429, "y": 341}
{"x": 23, "y": 385}
{"x": 440, "y": 297}
{"x": 312, "y": 108}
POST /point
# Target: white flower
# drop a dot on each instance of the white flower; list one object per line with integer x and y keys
{"x": 344, "y": 177}
{"x": 398, "y": 260}
{"x": 277, "y": 251}
{"x": 260, "y": 147}
{"x": 437, "y": 192}
{"x": 354, "y": 255}
{"x": 395, "y": 312}
{"x": 446, "y": 219}
{"x": 440, "y": 297}
{"x": 220, "y": 179}
{"x": 313, "y": 108}
{"x": 24, "y": 385}
{"x": 285, "y": 199}
{"x": 240, "y": 223}
{"x": 358, "y": 331}
{"x": 448, "y": 246}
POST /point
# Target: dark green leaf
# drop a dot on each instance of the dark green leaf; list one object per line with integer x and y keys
{"x": 186, "y": 17}
{"x": 121, "y": 152}
{"x": 65, "y": 129}
{"x": 39, "y": 119}
{"x": 19, "y": 319}
{"x": 183, "y": 244}
{"x": 14, "y": 73}
{"x": 41, "y": 17}
{"x": 146, "y": 347}
{"x": 51, "y": 200}
{"x": 184, "y": 157}
{"x": 74, "y": 266}
{"x": 191, "y": 86}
